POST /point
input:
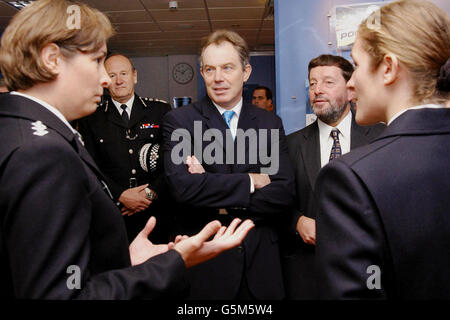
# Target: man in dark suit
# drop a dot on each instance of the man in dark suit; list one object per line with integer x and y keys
{"x": 310, "y": 149}
{"x": 123, "y": 136}
{"x": 228, "y": 177}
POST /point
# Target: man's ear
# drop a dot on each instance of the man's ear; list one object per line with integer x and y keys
{"x": 50, "y": 57}
{"x": 135, "y": 76}
{"x": 247, "y": 71}
{"x": 390, "y": 68}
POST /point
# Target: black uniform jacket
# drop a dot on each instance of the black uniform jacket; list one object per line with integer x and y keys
{"x": 385, "y": 213}
{"x": 227, "y": 185}
{"x": 58, "y": 222}
{"x": 116, "y": 148}
{"x": 130, "y": 156}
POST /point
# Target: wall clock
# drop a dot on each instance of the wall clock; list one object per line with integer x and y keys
{"x": 182, "y": 73}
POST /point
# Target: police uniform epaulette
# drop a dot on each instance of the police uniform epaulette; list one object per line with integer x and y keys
{"x": 155, "y": 100}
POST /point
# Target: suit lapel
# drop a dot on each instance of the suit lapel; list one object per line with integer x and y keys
{"x": 112, "y": 114}
{"x": 86, "y": 157}
{"x": 137, "y": 112}
{"x": 311, "y": 152}
{"x": 247, "y": 118}
{"x": 213, "y": 118}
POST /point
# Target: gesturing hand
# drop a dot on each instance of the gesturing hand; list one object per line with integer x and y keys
{"x": 141, "y": 249}
{"x": 196, "y": 249}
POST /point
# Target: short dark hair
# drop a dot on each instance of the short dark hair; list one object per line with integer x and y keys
{"x": 266, "y": 90}
{"x": 328, "y": 60}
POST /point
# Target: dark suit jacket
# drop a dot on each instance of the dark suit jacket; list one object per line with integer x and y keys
{"x": 387, "y": 205}
{"x": 228, "y": 186}
{"x": 304, "y": 153}
{"x": 54, "y": 214}
{"x": 116, "y": 150}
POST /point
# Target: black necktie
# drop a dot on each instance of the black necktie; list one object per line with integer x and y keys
{"x": 124, "y": 114}
{"x": 336, "y": 151}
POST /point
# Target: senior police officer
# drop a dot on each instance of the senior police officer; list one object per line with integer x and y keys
{"x": 123, "y": 137}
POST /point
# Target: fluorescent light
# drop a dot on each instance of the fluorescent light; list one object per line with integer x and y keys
{"x": 20, "y": 4}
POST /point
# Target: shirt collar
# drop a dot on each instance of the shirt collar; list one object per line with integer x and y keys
{"x": 129, "y": 104}
{"x": 344, "y": 127}
{"x": 47, "y": 106}
{"x": 237, "y": 108}
{"x": 423, "y": 106}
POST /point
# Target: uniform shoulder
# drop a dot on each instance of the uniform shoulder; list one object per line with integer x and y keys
{"x": 154, "y": 101}
{"x": 17, "y": 133}
{"x": 369, "y": 154}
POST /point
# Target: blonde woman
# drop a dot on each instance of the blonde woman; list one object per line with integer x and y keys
{"x": 384, "y": 222}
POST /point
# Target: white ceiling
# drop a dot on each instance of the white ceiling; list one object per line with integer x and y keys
{"x": 150, "y": 28}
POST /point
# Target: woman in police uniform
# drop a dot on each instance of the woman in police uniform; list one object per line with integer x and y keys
{"x": 61, "y": 235}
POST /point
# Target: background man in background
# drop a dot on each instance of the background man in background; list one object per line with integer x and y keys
{"x": 262, "y": 98}
{"x": 221, "y": 190}
{"x": 334, "y": 133}
{"x": 123, "y": 136}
